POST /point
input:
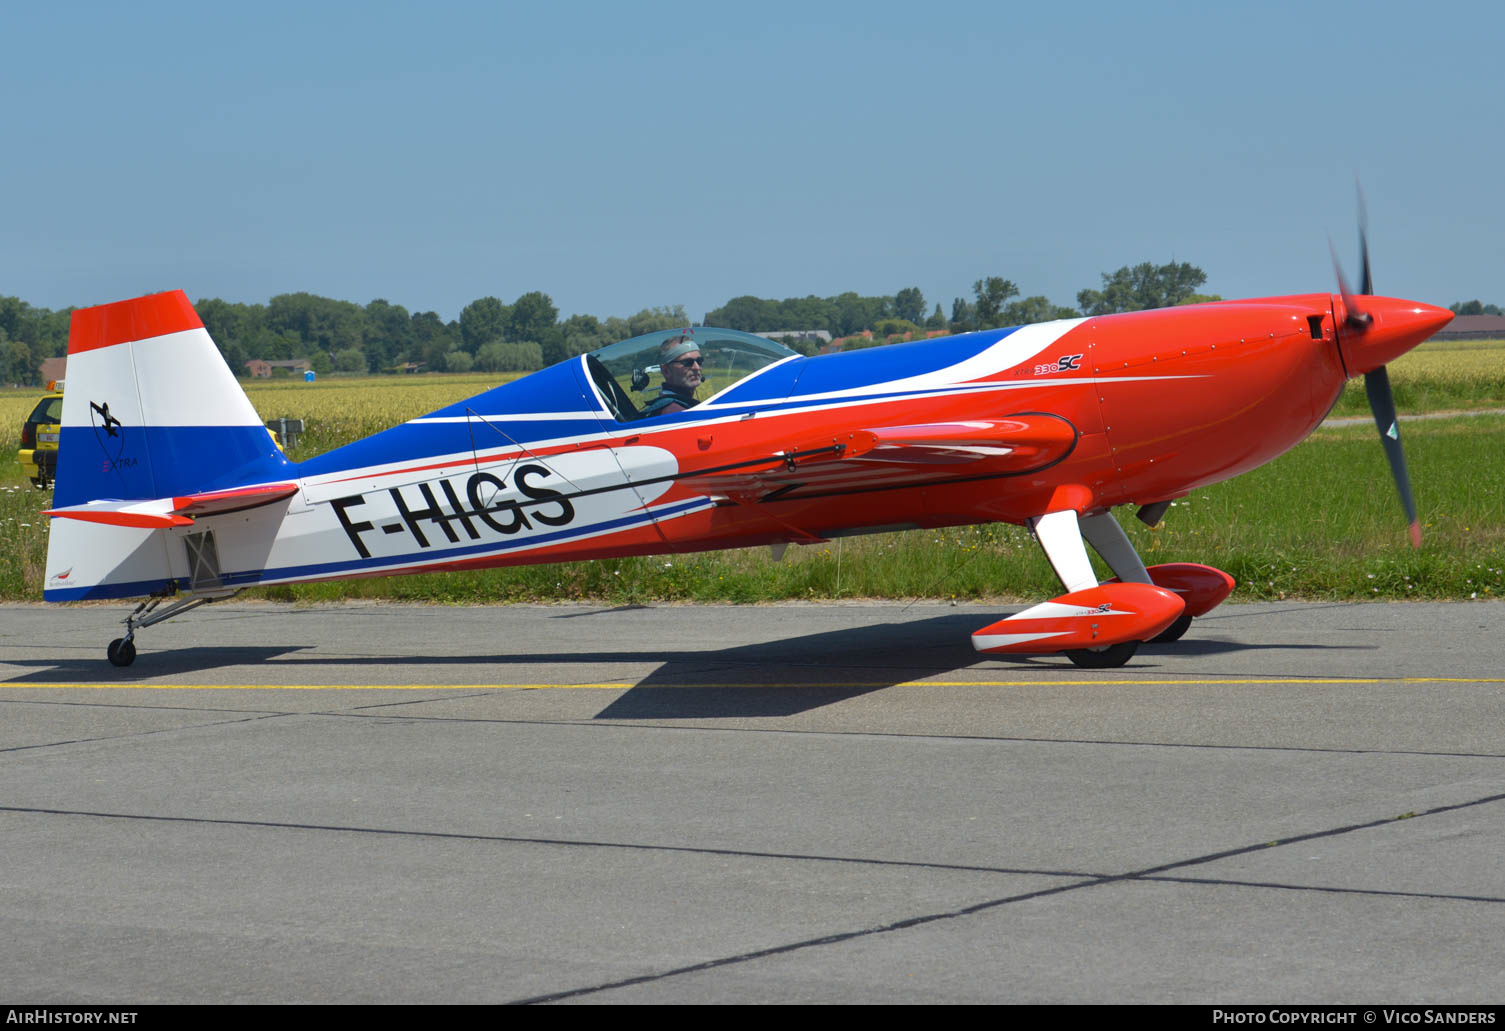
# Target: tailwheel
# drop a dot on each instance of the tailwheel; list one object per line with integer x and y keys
{"x": 1104, "y": 658}
{"x": 1174, "y": 631}
{"x": 122, "y": 652}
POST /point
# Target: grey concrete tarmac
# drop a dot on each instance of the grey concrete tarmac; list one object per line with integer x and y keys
{"x": 1297, "y": 803}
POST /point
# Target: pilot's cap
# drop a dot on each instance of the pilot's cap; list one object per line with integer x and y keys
{"x": 676, "y": 347}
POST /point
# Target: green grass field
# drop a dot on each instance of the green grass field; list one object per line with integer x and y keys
{"x": 1320, "y": 522}
{"x": 1440, "y": 375}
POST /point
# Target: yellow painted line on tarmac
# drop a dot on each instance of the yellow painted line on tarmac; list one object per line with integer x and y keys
{"x": 1214, "y": 682}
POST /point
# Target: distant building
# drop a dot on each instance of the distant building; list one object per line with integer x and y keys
{"x": 1474, "y": 327}
{"x": 258, "y": 368}
{"x": 53, "y": 369}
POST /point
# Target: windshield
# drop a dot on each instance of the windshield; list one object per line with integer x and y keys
{"x": 50, "y": 409}
{"x": 657, "y": 373}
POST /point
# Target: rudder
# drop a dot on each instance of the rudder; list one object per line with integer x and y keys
{"x": 151, "y": 409}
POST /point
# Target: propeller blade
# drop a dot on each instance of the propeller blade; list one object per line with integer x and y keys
{"x": 1377, "y": 380}
{"x": 1382, "y": 404}
{"x": 1356, "y": 317}
{"x": 1366, "y": 285}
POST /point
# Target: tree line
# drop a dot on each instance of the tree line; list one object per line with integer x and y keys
{"x": 1475, "y": 308}
{"x": 494, "y": 336}
{"x": 995, "y": 302}
{"x": 489, "y": 335}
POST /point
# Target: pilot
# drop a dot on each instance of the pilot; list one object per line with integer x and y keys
{"x": 679, "y": 362}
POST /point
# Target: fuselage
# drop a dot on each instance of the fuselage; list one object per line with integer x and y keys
{"x": 1001, "y": 425}
{"x": 1161, "y": 402}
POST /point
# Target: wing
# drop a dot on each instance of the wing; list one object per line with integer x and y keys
{"x": 893, "y": 456}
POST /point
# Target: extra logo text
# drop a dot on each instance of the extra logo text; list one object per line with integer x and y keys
{"x": 1065, "y": 363}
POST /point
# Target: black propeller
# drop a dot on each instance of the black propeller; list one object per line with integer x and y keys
{"x": 1382, "y": 404}
{"x": 1377, "y": 381}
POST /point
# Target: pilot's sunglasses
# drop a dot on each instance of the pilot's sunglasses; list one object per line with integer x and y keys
{"x": 686, "y": 362}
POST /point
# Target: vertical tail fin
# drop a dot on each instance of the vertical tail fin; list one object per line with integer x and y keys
{"x": 150, "y": 412}
{"x": 151, "y": 409}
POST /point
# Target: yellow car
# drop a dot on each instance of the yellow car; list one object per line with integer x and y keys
{"x": 39, "y": 436}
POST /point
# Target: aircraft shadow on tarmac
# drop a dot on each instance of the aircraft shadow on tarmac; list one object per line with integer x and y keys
{"x": 150, "y": 666}
{"x": 783, "y": 678}
{"x": 772, "y": 678}
{"x": 796, "y": 674}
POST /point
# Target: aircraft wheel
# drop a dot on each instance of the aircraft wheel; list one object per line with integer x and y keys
{"x": 121, "y": 652}
{"x": 1174, "y": 631}
{"x": 1104, "y": 658}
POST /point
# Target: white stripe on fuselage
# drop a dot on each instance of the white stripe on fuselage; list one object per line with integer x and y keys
{"x": 1016, "y": 348}
{"x": 737, "y": 413}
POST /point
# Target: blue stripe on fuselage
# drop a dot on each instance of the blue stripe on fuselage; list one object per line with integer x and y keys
{"x": 855, "y": 370}
{"x": 483, "y": 426}
{"x": 548, "y": 390}
{"x": 185, "y": 460}
{"x": 416, "y": 441}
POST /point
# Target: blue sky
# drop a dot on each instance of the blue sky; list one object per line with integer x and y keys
{"x": 624, "y": 155}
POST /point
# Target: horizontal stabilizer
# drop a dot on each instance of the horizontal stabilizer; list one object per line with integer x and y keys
{"x": 218, "y": 502}
{"x": 145, "y": 515}
{"x": 164, "y": 513}
{"x": 1094, "y": 618}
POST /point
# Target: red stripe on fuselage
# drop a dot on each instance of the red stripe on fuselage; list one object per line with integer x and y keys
{"x": 838, "y": 413}
{"x": 140, "y": 318}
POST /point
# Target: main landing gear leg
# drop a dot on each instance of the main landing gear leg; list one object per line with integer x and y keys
{"x": 1098, "y": 626}
{"x": 122, "y": 650}
{"x": 1109, "y": 540}
{"x": 1060, "y": 535}
{"x": 1200, "y": 588}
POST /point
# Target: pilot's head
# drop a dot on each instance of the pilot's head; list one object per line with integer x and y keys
{"x": 679, "y": 360}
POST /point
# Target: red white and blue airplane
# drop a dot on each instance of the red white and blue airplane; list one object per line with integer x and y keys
{"x": 169, "y": 488}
